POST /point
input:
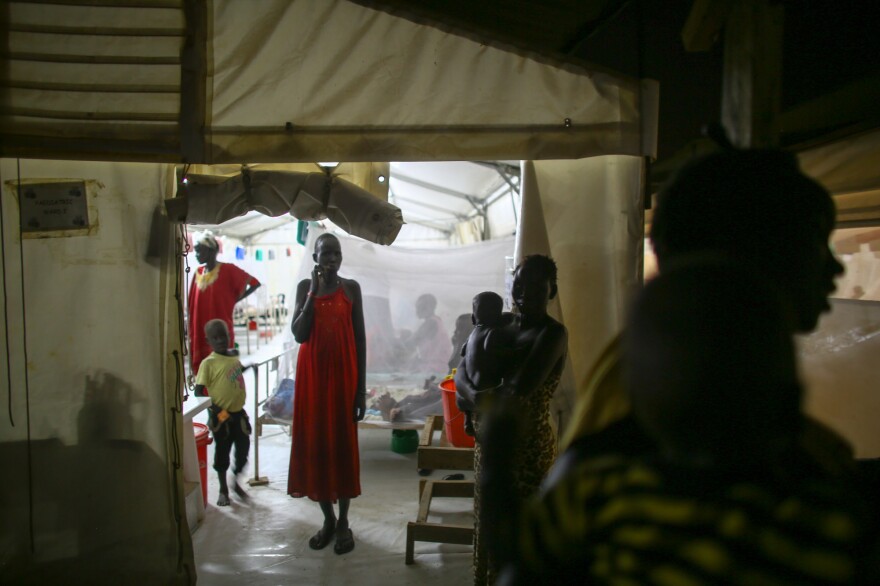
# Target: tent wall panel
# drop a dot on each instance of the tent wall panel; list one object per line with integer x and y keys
{"x": 285, "y": 89}
{"x": 845, "y": 166}
{"x": 96, "y": 494}
{"x": 398, "y": 91}
{"x": 93, "y": 73}
{"x": 589, "y": 218}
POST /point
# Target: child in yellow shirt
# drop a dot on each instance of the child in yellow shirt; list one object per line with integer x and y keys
{"x": 221, "y": 374}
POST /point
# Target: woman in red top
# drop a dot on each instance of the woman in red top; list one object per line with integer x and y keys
{"x": 215, "y": 289}
{"x": 330, "y": 396}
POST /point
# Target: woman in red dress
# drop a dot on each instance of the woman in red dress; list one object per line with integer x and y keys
{"x": 215, "y": 289}
{"x": 330, "y": 395}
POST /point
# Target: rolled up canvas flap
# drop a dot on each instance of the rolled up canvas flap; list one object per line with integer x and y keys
{"x": 306, "y": 196}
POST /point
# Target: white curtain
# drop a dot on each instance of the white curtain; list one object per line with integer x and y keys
{"x": 587, "y": 214}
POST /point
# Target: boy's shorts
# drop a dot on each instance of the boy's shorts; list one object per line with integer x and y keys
{"x": 220, "y": 421}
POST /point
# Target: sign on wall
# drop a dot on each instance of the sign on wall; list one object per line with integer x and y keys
{"x": 54, "y": 206}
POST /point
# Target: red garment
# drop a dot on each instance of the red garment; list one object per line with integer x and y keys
{"x": 215, "y": 301}
{"x": 324, "y": 460}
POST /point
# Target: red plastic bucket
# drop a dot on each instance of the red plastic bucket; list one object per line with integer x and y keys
{"x": 453, "y": 418}
{"x": 203, "y": 438}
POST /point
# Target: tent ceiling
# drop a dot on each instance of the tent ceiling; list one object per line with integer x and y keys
{"x": 446, "y": 193}
{"x": 301, "y": 81}
{"x": 436, "y": 195}
{"x": 553, "y": 28}
{"x": 828, "y": 52}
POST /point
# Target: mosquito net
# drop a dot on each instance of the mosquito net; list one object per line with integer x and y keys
{"x": 404, "y": 365}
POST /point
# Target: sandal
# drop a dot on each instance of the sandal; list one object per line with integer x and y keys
{"x": 344, "y": 541}
{"x": 322, "y": 538}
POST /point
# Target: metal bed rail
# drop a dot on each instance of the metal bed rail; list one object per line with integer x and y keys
{"x": 266, "y": 367}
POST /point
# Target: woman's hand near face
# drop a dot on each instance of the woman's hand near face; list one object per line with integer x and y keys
{"x": 316, "y": 277}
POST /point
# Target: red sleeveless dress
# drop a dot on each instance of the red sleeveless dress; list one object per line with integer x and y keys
{"x": 324, "y": 459}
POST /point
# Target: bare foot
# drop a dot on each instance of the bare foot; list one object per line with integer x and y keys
{"x": 242, "y": 494}
{"x": 223, "y": 500}
{"x": 395, "y": 414}
{"x": 385, "y": 404}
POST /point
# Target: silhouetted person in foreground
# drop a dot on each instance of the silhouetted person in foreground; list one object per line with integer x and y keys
{"x": 753, "y": 208}
{"x": 728, "y": 494}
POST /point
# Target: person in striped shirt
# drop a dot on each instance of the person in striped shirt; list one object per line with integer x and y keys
{"x": 726, "y": 495}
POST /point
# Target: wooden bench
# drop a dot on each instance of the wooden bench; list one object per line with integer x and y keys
{"x": 442, "y": 456}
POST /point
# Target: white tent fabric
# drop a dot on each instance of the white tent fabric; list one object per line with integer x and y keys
{"x": 94, "y": 492}
{"x": 532, "y": 238}
{"x": 589, "y": 218}
{"x": 848, "y": 169}
{"x": 372, "y": 177}
{"x": 106, "y": 85}
{"x": 289, "y": 81}
{"x": 531, "y": 234}
{"x": 845, "y": 166}
{"x": 367, "y": 99}
{"x": 443, "y": 202}
{"x": 306, "y": 196}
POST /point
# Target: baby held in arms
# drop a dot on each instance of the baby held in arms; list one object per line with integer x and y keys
{"x": 486, "y": 347}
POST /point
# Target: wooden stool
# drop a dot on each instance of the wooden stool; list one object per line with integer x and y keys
{"x": 444, "y": 457}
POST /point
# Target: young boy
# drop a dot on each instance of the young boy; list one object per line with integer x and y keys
{"x": 221, "y": 374}
{"x": 485, "y": 347}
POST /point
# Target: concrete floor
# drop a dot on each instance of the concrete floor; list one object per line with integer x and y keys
{"x": 265, "y": 541}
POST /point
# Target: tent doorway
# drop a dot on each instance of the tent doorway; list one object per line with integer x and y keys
{"x": 457, "y": 240}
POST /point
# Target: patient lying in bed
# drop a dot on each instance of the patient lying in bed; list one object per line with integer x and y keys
{"x": 411, "y": 407}
{"x": 416, "y": 406}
